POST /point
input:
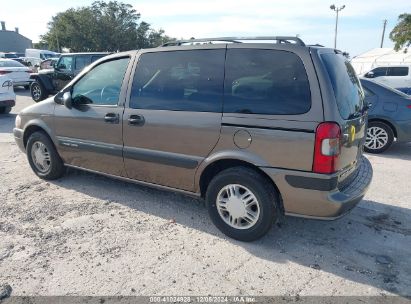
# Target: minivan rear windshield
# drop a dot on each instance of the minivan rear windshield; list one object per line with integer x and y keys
{"x": 347, "y": 88}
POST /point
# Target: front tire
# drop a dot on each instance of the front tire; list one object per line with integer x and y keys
{"x": 380, "y": 137}
{"x": 242, "y": 203}
{"x": 38, "y": 92}
{"x": 43, "y": 157}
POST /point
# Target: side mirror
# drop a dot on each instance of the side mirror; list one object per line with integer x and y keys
{"x": 369, "y": 75}
{"x": 67, "y": 101}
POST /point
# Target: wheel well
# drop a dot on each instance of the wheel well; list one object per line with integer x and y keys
{"x": 30, "y": 130}
{"x": 387, "y": 123}
{"x": 214, "y": 168}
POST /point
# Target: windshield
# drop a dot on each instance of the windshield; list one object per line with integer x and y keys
{"x": 10, "y": 64}
{"x": 10, "y": 56}
{"x": 47, "y": 55}
{"x": 347, "y": 88}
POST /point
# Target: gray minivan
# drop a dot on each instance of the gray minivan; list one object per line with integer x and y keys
{"x": 257, "y": 129}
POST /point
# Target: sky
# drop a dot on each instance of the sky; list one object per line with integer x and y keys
{"x": 359, "y": 28}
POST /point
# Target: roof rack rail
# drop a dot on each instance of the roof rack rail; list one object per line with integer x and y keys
{"x": 279, "y": 39}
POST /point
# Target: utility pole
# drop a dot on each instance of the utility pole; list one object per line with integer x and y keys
{"x": 383, "y": 32}
{"x": 337, "y": 10}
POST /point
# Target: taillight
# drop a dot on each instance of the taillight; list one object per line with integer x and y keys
{"x": 4, "y": 72}
{"x": 327, "y": 147}
{"x": 409, "y": 106}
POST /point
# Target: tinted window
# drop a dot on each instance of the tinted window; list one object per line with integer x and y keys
{"x": 81, "y": 62}
{"x": 347, "y": 88}
{"x": 96, "y": 57}
{"x": 65, "y": 63}
{"x": 265, "y": 82}
{"x": 377, "y": 72}
{"x": 102, "y": 84}
{"x": 397, "y": 71}
{"x": 179, "y": 81}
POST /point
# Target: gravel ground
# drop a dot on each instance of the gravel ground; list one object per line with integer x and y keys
{"x": 89, "y": 235}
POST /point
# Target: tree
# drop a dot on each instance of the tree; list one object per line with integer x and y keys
{"x": 104, "y": 26}
{"x": 401, "y": 34}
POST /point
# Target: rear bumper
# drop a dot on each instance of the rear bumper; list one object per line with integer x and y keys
{"x": 18, "y": 137}
{"x": 321, "y": 196}
{"x": 7, "y": 99}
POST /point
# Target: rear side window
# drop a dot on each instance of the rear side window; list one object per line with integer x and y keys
{"x": 81, "y": 62}
{"x": 397, "y": 71}
{"x": 179, "y": 81}
{"x": 265, "y": 82}
{"x": 347, "y": 88}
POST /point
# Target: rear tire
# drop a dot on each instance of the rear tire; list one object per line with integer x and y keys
{"x": 380, "y": 137}
{"x": 5, "y": 110}
{"x": 38, "y": 91}
{"x": 242, "y": 203}
{"x": 43, "y": 157}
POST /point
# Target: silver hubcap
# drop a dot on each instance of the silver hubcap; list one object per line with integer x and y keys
{"x": 36, "y": 92}
{"x": 377, "y": 138}
{"x": 40, "y": 156}
{"x": 238, "y": 206}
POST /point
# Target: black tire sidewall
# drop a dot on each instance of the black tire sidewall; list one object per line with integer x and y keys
{"x": 263, "y": 191}
{"x": 390, "y": 134}
{"x": 42, "y": 91}
{"x": 56, "y": 169}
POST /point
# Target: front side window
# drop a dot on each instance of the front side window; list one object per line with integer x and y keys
{"x": 377, "y": 72}
{"x": 266, "y": 82}
{"x": 397, "y": 71}
{"x": 179, "y": 81}
{"x": 102, "y": 84}
{"x": 65, "y": 63}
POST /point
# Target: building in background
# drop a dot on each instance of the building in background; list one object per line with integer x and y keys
{"x": 12, "y": 41}
{"x": 380, "y": 57}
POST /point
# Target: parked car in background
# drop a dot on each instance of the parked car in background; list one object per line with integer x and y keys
{"x": 394, "y": 76}
{"x": 41, "y": 54}
{"x": 389, "y": 116}
{"x": 7, "y": 96}
{"x": 50, "y": 81}
{"x": 17, "y": 72}
{"x": 48, "y": 63}
{"x": 32, "y": 62}
{"x": 258, "y": 130}
{"x": 12, "y": 55}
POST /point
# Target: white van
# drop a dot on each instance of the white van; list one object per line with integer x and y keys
{"x": 395, "y": 76}
{"x": 42, "y": 54}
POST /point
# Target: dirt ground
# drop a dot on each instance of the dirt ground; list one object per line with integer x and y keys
{"x": 89, "y": 235}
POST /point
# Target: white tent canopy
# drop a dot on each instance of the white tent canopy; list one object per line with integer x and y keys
{"x": 379, "y": 57}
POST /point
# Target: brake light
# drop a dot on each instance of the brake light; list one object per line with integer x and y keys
{"x": 327, "y": 147}
{"x": 4, "y": 72}
{"x": 409, "y": 106}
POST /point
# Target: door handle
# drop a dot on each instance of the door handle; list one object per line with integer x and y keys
{"x": 111, "y": 118}
{"x": 136, "y": 120}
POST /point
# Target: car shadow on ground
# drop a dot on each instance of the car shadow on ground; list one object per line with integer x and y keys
{"x": 361, "y": 247}
{"x": 20, "y": 91}
{"x": 398, "y": 151}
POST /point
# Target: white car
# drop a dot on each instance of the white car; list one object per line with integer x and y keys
{"x": 7, "y": 96}
{"x": 394, "y": 76}
{"x": 17, "y": 72}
